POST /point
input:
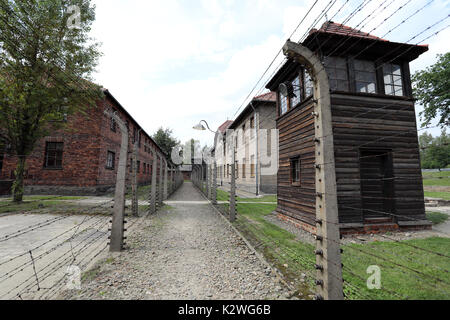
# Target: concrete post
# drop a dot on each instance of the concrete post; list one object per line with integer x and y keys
{"x": 214, "y": 184}
{"x": 117, "y": 228}
{"x": 233, "y": 183}
{"x": 154, "y": 182}
{"x": 134, "y": 184}
{"x": 328, "y": 253}
{"x": 166, "y": 181}
{"x": 161, "y": 183}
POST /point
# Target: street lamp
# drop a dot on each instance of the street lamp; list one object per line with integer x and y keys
{"x": 200, "y": 127}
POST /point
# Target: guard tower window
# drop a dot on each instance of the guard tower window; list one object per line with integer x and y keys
{"x": 337, "y": 73}
{"x": 365, "y": 76}
{"x": 393, "y": 84}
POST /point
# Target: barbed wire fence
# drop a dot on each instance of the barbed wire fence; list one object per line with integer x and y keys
{"x": 385, "y": 265}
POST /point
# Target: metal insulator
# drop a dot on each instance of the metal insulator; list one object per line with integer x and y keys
{"x": 319, "y": 282}
{"x": 317, "y": 140}
{"x": 319, "y": 252}
{"x": 124, "y": 230}
{"x": 342, "y": 250}
{"x": 318, "y": 267}
{"x": 319, "y": 221}
{"x": 318, "y": 166}
{"x": 319, "y": 238}
{"x": 319, "y": 194}
{"x": 318, "y": 297}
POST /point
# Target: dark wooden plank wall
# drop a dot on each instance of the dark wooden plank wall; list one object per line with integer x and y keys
{"x": 376, "y": 123}
{"x": 296, "y": 139}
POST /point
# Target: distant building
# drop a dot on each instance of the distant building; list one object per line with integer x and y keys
{"x": 82, "y": 159}
{"x": 253, "y": 136}
{"x": 377, "y": 158}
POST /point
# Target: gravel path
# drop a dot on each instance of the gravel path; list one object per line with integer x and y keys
{"x": 186, "y": 251}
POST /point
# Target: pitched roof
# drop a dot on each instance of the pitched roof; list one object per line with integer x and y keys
{"x": 337, "y": 28}
{"x": 268, "y": 96}
{"x": 225, "y": 126}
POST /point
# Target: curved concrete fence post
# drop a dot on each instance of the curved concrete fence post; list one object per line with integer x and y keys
{"x": 328, "y": 254}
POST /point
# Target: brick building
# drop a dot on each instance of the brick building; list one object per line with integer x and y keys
{"x": 254, "y": 136}
{"x": 82, "y": 158}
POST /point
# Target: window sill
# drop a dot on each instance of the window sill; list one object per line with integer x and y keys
{"x": 53, "y": 169}
{"x": 108, "y": 168}
{"x": 296, "y": 184}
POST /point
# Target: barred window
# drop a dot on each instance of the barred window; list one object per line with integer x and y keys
{"x": 295, "y": 171}
{"x": 365, "y": 76}
{"x": 393, "y": 84}
{"x": 337, "y": 73}
{"x": 110, "y": 160}
{"x": 53, "y": 155}
{"x": 297, "y": 98}
{"x": 283, "y": 104}
{"x": 309, "y": 85}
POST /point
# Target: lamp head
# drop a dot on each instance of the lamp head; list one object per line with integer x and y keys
{"x": 199, "y": 127}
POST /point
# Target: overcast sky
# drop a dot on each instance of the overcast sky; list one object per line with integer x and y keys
{"x": 172, "y": 63}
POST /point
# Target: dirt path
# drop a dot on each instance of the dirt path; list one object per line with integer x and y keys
{"x": 186, "y": 251}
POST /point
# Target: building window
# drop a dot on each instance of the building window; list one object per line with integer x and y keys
{"x": 337, "y": 73}
{"x": 297, "y": 97}
{"x": 309, "y": 85}
{"x": 138, "y": 167}
{"x": 53, "y": 155}
{"x": 295, "y": 171}
{"x": 112, "y": 125}
{"x": 252, "y": 167}
{"x": 393, "y": 84}
{"x": 283, "y": 104}
{"x": 243, "y": 168}
{"x": 365, "y": 76}
{"x": 228, "y": 170}
{"x": 110, "y": 160}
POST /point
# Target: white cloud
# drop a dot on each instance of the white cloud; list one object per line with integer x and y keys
{"x": 173, "y": 62}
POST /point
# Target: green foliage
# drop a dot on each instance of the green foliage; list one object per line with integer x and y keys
{"x": 432, "y": 89}
{"x": 44, "y": 71}
{"x": 165, "y": 139}
{"x": 435, "y": 153}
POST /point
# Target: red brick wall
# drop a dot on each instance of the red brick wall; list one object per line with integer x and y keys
{"x": 87, "y": 140}
{"x": 80, "y": 155}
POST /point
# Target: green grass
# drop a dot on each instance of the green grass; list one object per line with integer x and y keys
{"x": 28, "y": 206}
{"x": 436, "y": 179}
{"x": 396, "y": 260}
{"x": 439, "y": 195}
{"x": 437, "y": 217}
{"x": 225, "y": 196}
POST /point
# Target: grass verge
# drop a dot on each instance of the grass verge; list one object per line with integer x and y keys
{"x": 437, "y": 217}
{"x": 438, "y": 195}
{"x": 411, "y": 269}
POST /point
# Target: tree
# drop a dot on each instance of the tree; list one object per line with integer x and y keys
{"x": 435, "y": 151}
{"x": 45, "y": 65}
{"x": 165, "y": 139}
{"x": 432, "y": 89}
